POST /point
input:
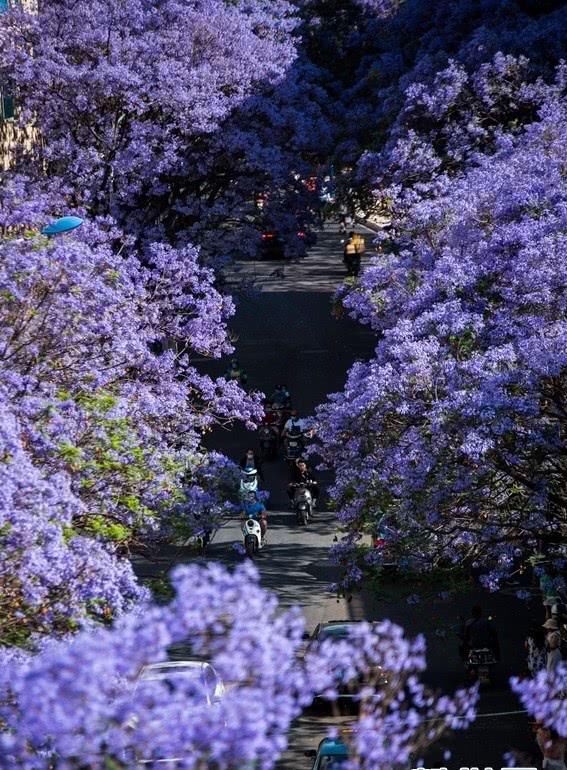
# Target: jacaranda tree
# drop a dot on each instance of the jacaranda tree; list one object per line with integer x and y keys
{"x": 81, "y": 703}
{"x": 453, "y": 432}
{"x": 97, "y": 414}
{"x": 171, "y": 117}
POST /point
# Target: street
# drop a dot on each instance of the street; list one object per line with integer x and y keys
{"x": 285, "y": 333}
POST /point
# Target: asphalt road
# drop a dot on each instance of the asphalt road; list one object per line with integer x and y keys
{"x": 284, "y": 333}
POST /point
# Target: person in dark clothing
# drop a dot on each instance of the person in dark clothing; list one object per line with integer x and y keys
{"x": 303, "y": 475}
{"x": 251, "y": 460}
{"x": 478, "y": 632}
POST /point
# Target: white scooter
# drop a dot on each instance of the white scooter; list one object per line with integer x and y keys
{"x": 252, "y": 532}
{"x": 303, "y": 504}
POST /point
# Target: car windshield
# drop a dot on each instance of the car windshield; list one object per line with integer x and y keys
{"x": 333, "y": 763}
{"x": 334, "y": 632}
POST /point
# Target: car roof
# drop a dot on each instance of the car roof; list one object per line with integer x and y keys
{"x": 178, "y": 664}
{"x": 174, "y": 666}
{"x": 337, "y": 626}
{"x": 342, "y": 622}
{"x": 333, "y": 747}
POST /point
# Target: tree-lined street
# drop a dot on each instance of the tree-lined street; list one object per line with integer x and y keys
{"x": 285, "y": 332}
{"x": 179, "y": 180}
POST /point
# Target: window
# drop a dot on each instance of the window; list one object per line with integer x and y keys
{"x": 6, "y": 106}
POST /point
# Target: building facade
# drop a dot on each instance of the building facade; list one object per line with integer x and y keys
{"x": 11, "y": 135}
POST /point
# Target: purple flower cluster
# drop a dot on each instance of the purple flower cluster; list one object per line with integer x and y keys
{"x": 453, "y": 429}
{"x": 80, "y": 702}
{"x": 171, "y": 117}
{"x": 545, "y": 697}
{"x": 105, "y": 427}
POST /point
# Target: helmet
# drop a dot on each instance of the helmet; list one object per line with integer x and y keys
{"x": 235, "y": 363}
{"x": 249, "y": 471}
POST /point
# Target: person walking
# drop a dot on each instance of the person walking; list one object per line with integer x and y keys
{"x": 535, "y": 649}
{"x": 351, "y": 257}
{"x": 548, "y": 588}
{"x": 552, "y": 747}
{"x": 552, "y": 644}
{"x": 359, "y": 244}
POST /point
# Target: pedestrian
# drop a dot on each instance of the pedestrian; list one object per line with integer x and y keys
{"x": 552, "y": 644}
{"x": 349, "y": 251}
{"x": 552, "y": 747}
{"x": 549, "y": 591}
{"x": 535, "y": 649}
{"x": 359, "y": 244}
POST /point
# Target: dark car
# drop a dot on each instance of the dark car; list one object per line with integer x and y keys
{"x": 271, "y": 245}
{"x": 274, "y": 246}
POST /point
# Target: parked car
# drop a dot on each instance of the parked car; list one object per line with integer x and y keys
{"x": 183, "y": 673}
{"x": 331, "y": 754}
{"x": 348, "y": 690}
{"x": 194, "y": 678}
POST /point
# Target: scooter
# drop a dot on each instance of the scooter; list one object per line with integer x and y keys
{"x": 282, "y": 413}
{"x": 252, "y": 532}
{"x": 268, "y": 439}
{"x": 479, "y": 663}
{"x": 293, "y": 447}
{"x": 302, "y": 504}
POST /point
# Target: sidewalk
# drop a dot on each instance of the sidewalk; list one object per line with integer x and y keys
{"x": 373, "y": 222}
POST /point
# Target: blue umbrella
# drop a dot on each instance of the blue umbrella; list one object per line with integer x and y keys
{"x": 63, "y": 225}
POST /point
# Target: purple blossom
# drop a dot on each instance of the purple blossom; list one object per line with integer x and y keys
{"x": 78, "y": 700}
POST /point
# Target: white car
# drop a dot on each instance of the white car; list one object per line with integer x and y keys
{"x": 198, "y": 678}
{"x": 186, "y": 671}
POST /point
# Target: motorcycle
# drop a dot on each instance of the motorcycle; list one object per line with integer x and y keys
{"x": 253, "y": 541}
{"x": 479, "y": 662}
{"x": 268, "y": 439}
{"x": 282, "y": 415}
{"x": 303, "y": 504}
{"x": 248, "y": 483}
{"x": 293, "y": 447}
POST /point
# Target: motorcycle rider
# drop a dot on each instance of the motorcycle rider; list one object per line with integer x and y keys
{"x": 270, "y": 418}
{"x": 252, "y": 508}
{"x": 236, "y": 372}
{"x": 248, "y": 481}
{"x": 251, "y": 460}
{"x": 281, "y": 398}
{"x": 294, "y": 425}
{"x": 302, "y": 475}
{"x": 477, "y": 633}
